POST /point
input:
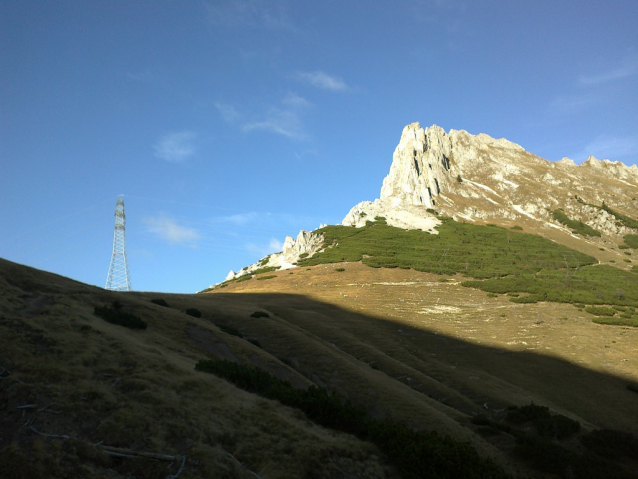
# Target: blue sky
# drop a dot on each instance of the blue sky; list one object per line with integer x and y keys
{"x": 229, "y": 125}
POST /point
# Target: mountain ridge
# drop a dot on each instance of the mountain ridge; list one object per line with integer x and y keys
{"x": 480, "y": 179}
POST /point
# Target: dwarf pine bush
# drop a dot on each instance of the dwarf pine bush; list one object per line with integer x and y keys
{"x": 115, "y": 315}
{"x": 578, "y": 227}
{"x": 418, "y": 454}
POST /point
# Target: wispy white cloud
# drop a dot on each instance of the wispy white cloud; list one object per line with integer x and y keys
{"x": 304, "y": 153}
{"x": 322, "y": 80}
{"x": 281, "y": 122}
{"x": 175, "y": 146}
{"x": 141, "y": 76}
{"x": 228, "y": 112}
{"x": 249, "y": 13}
{"x": 612, "y": 148}
{"x": 274, "y": 246}
{"x": 168, "y": 229}
{"x": 239, "y": 219}
{"x": 568, "y": 105}
{"x": 293, "y": 100}
{"x": 630, "y": 68}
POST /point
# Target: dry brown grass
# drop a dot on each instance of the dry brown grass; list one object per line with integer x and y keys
{"x": 139, "y": 390}
{"x": 403, "y": 344}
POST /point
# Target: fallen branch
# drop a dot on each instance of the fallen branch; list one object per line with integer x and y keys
{"x": 181, "y": 469}
{"x": 238, "y": 462}
{"x": 122, "y": 452}
{"x": 27, "y": 406}
{"x": 55, "y": 436}
{"x": 46, "y": 409}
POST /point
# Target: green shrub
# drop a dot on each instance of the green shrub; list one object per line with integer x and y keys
{"x": 267, "y": 277}
{"x": 244, "y": 278}
{"x": 459, "y": 179}
{"x": 229, "y": 330}
{"x": 530, "y": 298}
{"x": 160, "y": 302}
{"x": 417, "y": 454}
{"x": 303, "y": 255}
{"x": 578, "y": 227}
{"x": 624, "y": 220}
{"x": 622, "y": 321}
{"x": 431, "y": 211}
{"x": 546, "y": 456}
{"x": 546, "y": 424}
{"x": 611, "y": 443}
{"x": 631, "y": 241}
{"x": 340, "y": 269}
{"x": 492, "y": 295}
{"x": 265, "y": 270}
{"x": 481, "y": 420}
{"x": 194, "y": 312}
{"x": 260, "y": 314}
{"x": 600, "y": 310}
{"x": 516, "y": 227}
{"x": 623, "y": 246}
{"x": 472, "y": 250}
{"x": 115, "y": 315}
{"x": 264, "y": 261}
{"x": 594, "y": 285}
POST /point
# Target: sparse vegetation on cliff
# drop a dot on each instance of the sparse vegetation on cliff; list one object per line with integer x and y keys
{"x": 623, "y": 219}
{"x": 578, "y": 227}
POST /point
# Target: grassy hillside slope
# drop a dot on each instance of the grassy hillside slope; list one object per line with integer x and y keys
{"x": 402, "y": 345}
{"x": 80, "y": 397}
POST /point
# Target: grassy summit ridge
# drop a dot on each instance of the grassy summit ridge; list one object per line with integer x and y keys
{"x": 508, "y": 261}
{"x": 473, "y": 250}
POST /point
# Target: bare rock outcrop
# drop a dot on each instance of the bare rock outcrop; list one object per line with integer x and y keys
{"x": 307, "y": 243}
{"x": 478, "y": 178}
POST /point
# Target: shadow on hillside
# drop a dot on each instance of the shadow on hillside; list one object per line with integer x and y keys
{"x": 600, "y": 398}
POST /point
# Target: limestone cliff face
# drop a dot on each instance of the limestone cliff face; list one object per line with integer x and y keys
{"x": 420, "y": 167}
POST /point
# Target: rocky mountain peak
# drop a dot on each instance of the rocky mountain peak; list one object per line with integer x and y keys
{"x": 480, "y": 179}
{"x": 420, "y": 167}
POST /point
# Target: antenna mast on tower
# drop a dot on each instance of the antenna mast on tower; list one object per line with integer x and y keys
{"x": 118, "y": 278}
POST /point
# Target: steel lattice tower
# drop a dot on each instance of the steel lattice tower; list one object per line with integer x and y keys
{"x": 118, "y": 278}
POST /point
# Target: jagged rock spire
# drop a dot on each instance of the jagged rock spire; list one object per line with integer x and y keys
{"x": 420, "y": 167}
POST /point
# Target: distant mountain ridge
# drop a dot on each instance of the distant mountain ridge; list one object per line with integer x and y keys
{"x": 479, "y": 179}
